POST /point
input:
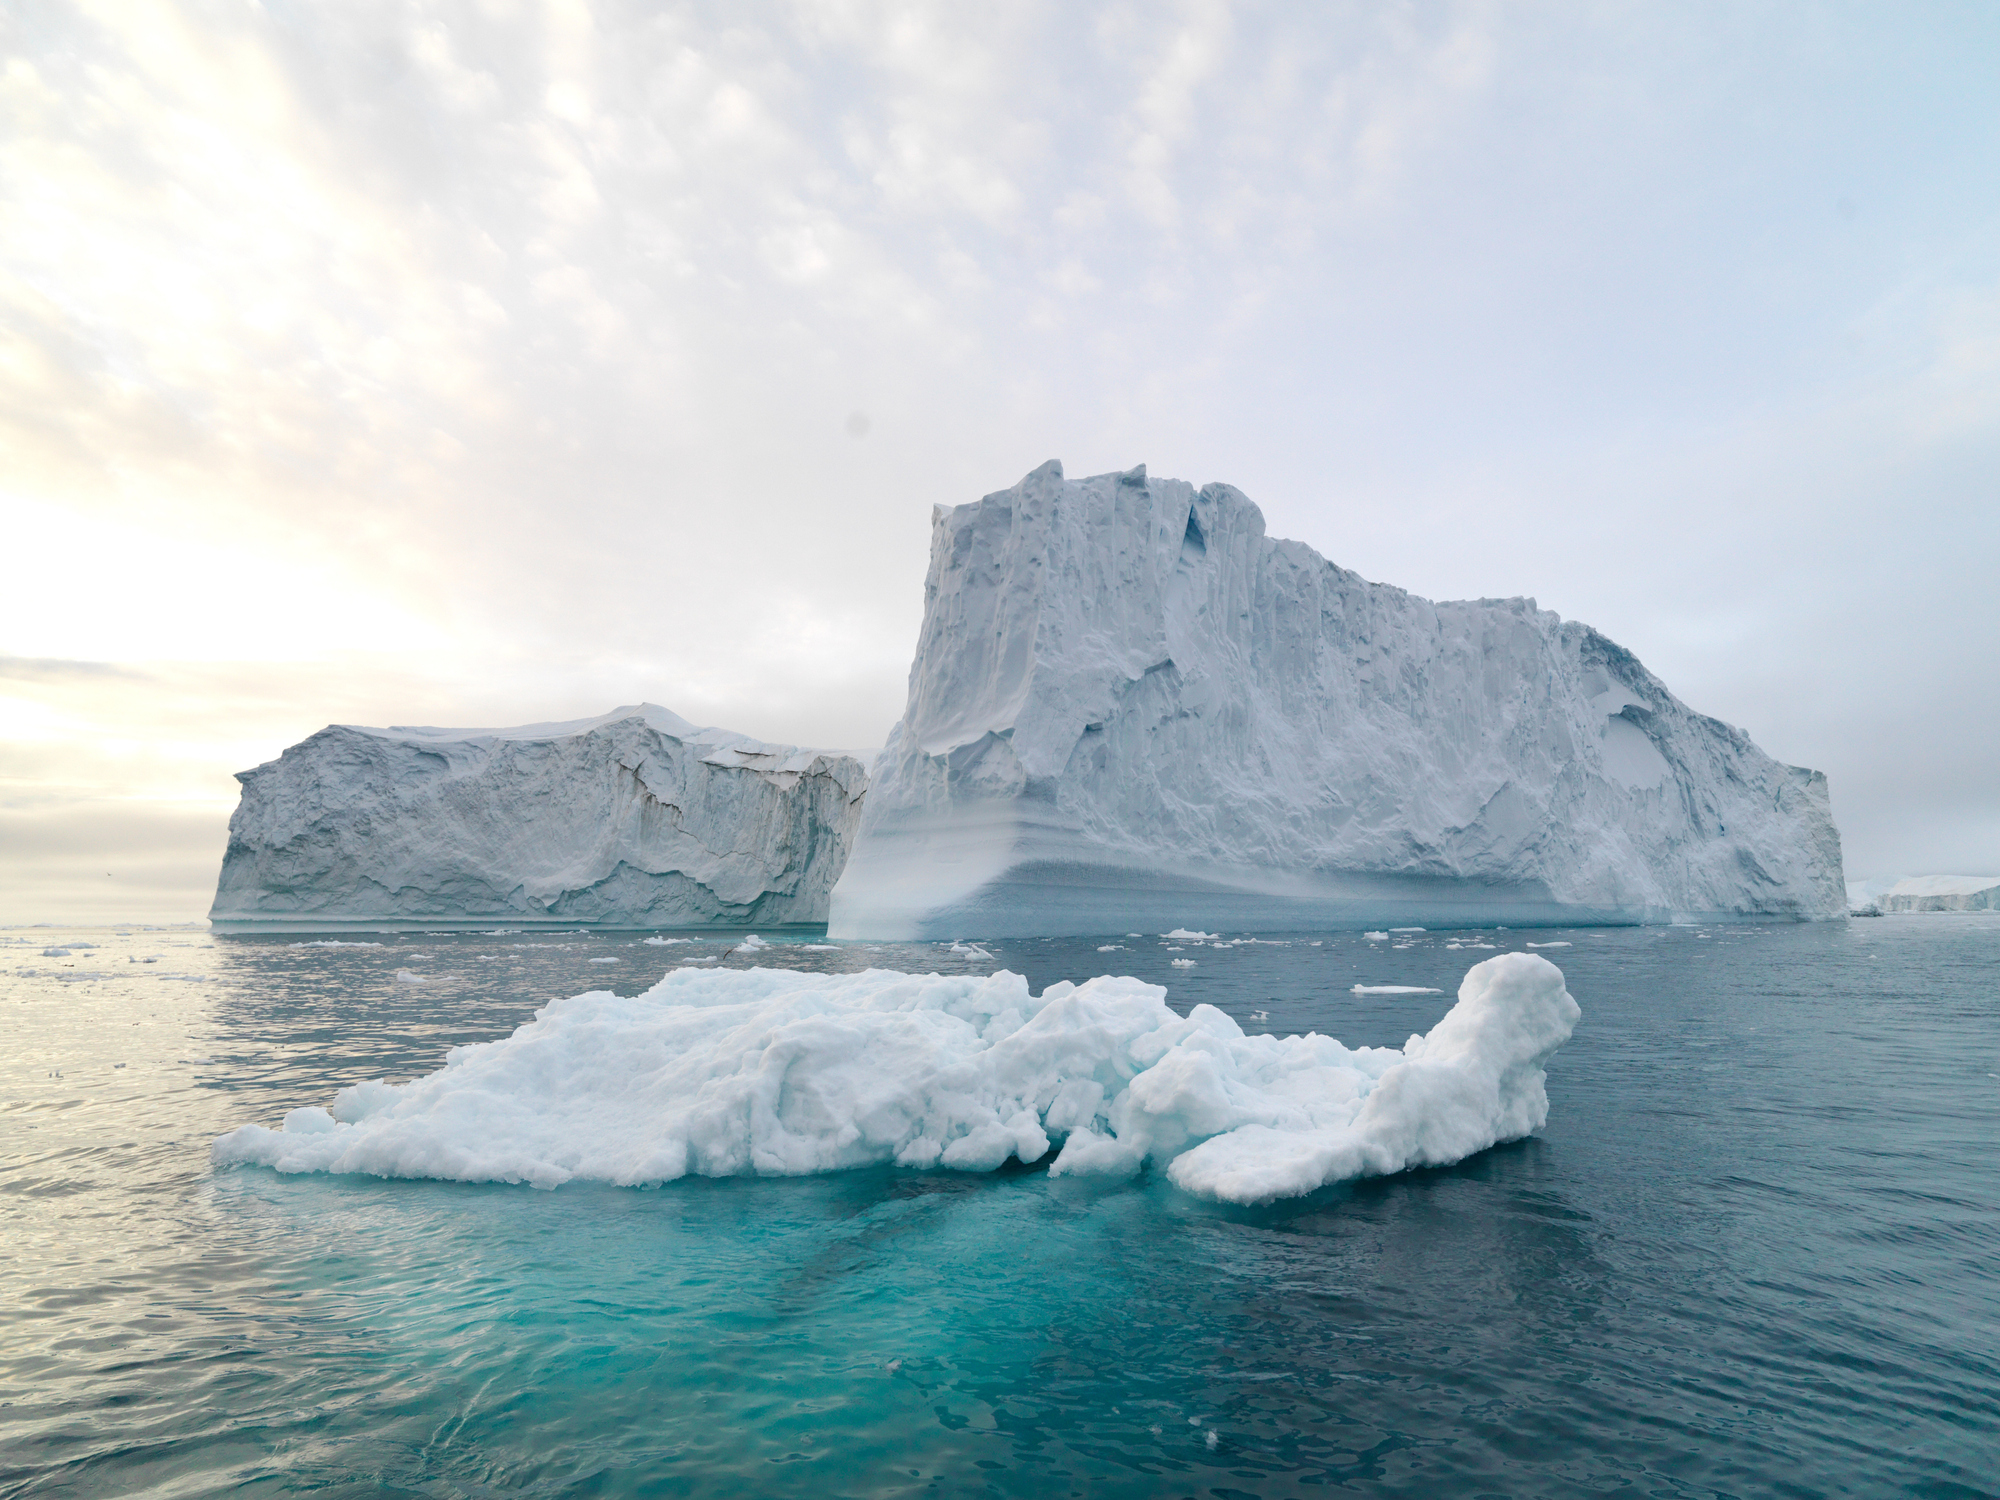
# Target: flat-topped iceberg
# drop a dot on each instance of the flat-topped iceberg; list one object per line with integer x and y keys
{"x": 1130, "y": 707}
{"x": 1942, "y": 893}
{"x": 636, "y": 818}
{"x": 778, "y": 1073}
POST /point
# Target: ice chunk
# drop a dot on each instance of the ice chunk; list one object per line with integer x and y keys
{"x": 1129, "y": 704}
{"x": 775, "y": 1072}
{"x": 1397, "y": 989}
{"x": 636, "y": 818}
{"x": 407, "y": 976}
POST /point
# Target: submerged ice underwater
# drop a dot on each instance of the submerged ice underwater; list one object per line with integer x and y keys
{"x": 1748, "y": 1253}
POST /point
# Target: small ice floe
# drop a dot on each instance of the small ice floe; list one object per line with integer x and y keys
{"x": 751, "y": 944}
{"x": 1319, "y": 945}
{"x": 895, "y": 1365}
{"x": 1548, "y": 945}
{"x": 1104, "y": 1076}
{"x": 705, "y": 958}
{"x": 970, "y": 950}
{"x": 501, "y": 932}
{"x": 1182, "y": 963}
{"x": 1376, "y": 937}
{"x": 1183, "y": 935}
{"x": 1395, "y": 989}
{"x": 1260, "y": 1015}
{"x": 1111, "y": 948}
{"x": 1409, "y": 929}
{"x": 55, "y": 953}
{"x": 406, "y": 976}
{"x": 821, "y": 947}
{"x": 332, "y": 943}
{"x": 600, "y": 960}
{"x": 1212, "y": 1438}
{"x": 660, "y": 942}
{"x": 1135, "y": 934}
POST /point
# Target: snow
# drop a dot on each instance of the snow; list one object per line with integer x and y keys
{"x": 776, "y": 1072}
{"x": 1130, "y": 707}
{"x": 635, "y": 818}
{"x": 1942, "y": 893}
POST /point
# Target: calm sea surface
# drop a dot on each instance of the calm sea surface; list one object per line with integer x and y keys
{"x": 1756, "y": 1251}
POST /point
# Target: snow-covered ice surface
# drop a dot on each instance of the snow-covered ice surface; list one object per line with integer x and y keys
{"x": 1129, "y": 706}
{"x": 779, "y": 1072}
{"x": 635, "y": 818}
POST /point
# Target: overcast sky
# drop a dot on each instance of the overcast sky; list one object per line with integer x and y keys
{"x": 486, "y": 363}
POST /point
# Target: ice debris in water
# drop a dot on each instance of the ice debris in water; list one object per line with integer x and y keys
{"x": 725, "y": 1073}
{"x": 1376, "y": 937}
{"x": 1183, "y": 935}
{"x": 970, "y": 950}
{"x": 1396, "y": 989}
{"x": 751, "y": 944}
{"x": 1549, "y": 945}
{"x": 664, "y": 942}
{"x": 406, "y": 976}
{"x": 332, "y": 943}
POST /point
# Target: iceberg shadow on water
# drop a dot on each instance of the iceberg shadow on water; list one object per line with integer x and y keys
{"x": 781, "y": 1073}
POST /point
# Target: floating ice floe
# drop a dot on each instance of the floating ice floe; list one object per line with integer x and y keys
{"x": 664, "y": 942}
{"x": 1549, "y": 945}
{"x": 970, "y": 950}
{"x": 1397, "y": 989}
{"x": 1183, "y": 935}
{"x": 406, "y": 976}
{"x": 751, "y": 944}
{"x": 1181, "y": 963}
{"x": 725, "y": 1073}
{"x": 332, "y": 943}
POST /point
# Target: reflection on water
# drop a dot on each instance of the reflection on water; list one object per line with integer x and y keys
{"x": 1751, "y": 1253}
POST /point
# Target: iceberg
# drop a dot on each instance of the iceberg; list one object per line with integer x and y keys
{"x": 636, "y": 818}
{"x": 1130, "y": 707}
{"x": 780, "y": 1073}
{"x": 1941, "y": 893}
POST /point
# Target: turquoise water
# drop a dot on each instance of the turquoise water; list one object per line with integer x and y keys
{"x": 1753, "y": 1252}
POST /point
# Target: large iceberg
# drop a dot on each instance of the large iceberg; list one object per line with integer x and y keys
{"x": 635, "y": 819}
{"x": 776, "y": 1072}
{"x": 1131, "y": 707}
{"x": 1942, "y": 893}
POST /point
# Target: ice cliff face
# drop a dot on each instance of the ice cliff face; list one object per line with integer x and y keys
{"x": 1129, "y": 707}
{"x": 637, "y": 818}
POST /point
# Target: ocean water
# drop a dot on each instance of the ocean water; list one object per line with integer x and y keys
{"x": 1755, "y": 1251}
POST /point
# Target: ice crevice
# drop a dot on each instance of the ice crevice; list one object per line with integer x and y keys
{"x": 778, "y": 1073}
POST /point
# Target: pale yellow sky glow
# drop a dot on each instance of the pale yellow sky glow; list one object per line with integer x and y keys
{"x": 497, "y": 362}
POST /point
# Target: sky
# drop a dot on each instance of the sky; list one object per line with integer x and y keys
{"x": 497, "y": 362}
